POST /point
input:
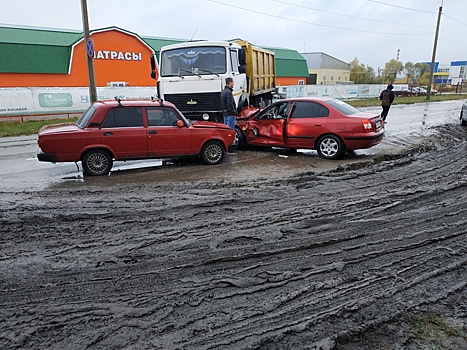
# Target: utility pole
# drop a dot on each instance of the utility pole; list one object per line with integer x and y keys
{"x": 432, "y": 67}
{"x": 89, "y": 48}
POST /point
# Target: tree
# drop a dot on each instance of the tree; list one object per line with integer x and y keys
{"x": 409, "y": 70}
{"x": 391, "y": 70}
{"x": 370, "y": 75}
{"x": 361, "y": 73}
{"x": 357, "y": 72}
{"x": 421, "y": 69}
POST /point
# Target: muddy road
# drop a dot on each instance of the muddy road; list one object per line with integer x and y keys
{"x": 334, "y": 258}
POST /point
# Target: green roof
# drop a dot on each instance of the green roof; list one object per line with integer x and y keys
{"x": 38, "y": 36}
{"x": 289, "y": 63}
{"x": 33, "y": 50}
{"x": 43, "y": 50}
{"x": 157, "y": 43}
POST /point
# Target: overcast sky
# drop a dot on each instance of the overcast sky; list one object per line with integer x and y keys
{"x": 373, "y": 31}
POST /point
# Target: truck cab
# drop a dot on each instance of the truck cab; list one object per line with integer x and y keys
{"x": 192, "y": 76}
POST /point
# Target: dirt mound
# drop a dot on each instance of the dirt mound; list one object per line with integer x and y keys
{"x": 354, "y": 257}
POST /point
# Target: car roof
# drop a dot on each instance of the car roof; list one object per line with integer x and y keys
{"x": 322, "y": 99}
{"x": 133, "y": 103}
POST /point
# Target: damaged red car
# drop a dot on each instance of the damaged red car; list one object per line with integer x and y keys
{"x": 124, "y": 130}
{"x": 328, "y": 125}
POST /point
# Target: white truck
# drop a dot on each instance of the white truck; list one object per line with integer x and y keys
{"x": 192, "y": 76}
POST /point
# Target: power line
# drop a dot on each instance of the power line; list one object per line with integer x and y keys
{"x": 315, "y": 24}
{"x": 402, "y": 7}
{"x": 456, "y": 41}
{"x": 344, "y": 15}
{"x": 454, "y": 19}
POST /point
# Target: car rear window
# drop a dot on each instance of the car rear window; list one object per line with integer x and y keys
{"x": 343, "y": 107}
{"x": 124, "y": 117}
{"x": 86, "y": 117}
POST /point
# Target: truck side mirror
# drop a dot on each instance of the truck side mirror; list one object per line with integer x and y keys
{"x": 242, "y": 57}
{"x": 152, "y": 59}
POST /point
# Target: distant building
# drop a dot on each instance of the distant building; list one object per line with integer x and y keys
{"x": 325, "y": 69}
{"x": 291, "y": 67}
{"x": 451, "y": 73}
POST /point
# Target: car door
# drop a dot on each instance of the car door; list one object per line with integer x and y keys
{"x": 123, "y": 131}
{"x": 305, "y": 122}
{"x": 267, "y": 128}
{"x": 165, "y": 137}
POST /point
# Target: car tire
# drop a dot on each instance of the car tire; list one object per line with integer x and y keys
{"x": 97, "y": 162}
{"x": 463, "y": 122}
{"x": 240, "y": 139}
{"x": 330, "y": 147}
{"x": 212, "y": 153}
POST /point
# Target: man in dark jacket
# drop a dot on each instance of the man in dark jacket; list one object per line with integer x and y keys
{"x": 386, "y": 97}
{"x": 228, "y": 103}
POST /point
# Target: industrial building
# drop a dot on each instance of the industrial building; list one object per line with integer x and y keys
{"x": 452, "y": 73}
{"x": 325, "y": 69}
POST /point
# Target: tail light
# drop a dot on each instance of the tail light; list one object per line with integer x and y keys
{"x": 367, "y": 126}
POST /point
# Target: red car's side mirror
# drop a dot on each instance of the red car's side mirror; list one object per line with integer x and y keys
{"x": 180, "y": 123}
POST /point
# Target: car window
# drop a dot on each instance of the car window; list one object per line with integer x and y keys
{"x": 124, "y": 117}
{"x": 277, "y": 110}
{"x": 308, "y": 109}
{"x": 343, "y": 107}
{"x": 162, "y": 117}
{"x": 83, "y": 121}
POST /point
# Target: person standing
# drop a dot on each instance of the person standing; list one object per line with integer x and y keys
{"x": 228, "y": 103}
{"x": 386, "y": 97}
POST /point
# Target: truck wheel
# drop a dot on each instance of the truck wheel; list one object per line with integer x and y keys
{"x": 97, "y": 162}
{"x": 330, "y": 147}
{"x": 212, "y": 153}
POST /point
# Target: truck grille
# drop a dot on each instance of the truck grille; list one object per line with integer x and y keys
{"x": 205, "y": 102}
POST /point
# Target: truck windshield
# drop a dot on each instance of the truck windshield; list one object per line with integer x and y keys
{"x": 201, "y": 60}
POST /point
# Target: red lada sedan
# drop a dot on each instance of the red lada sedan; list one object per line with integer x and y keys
{"x": 328, "y": 125}
{"x": 124, "y": 130}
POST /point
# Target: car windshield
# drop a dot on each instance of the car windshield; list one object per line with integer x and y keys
{"x": 83, "y": 121}
{"x": 343, "y": 107}
{"x": 193, "y": 61}
{"x": 185, "y": 119}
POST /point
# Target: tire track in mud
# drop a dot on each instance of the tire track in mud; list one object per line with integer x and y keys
{"x": 293, "y": 263}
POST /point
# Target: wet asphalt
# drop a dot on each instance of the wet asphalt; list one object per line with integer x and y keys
{"x": 407, "y": 125}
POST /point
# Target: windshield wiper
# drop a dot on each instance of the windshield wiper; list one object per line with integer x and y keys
{"x": 183, "y": 70}
{"x": 208, "y": 71}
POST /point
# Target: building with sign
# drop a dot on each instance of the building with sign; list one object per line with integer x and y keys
{"x": 41, "y": 57}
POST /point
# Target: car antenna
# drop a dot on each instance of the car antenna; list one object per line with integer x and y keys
{"x": 154, "y": 99}
{"x": 119, "y": 101}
